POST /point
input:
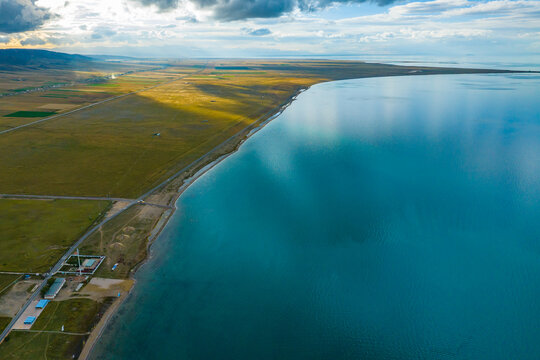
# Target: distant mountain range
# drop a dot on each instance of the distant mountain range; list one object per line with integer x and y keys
{"x": 13, "y": 59}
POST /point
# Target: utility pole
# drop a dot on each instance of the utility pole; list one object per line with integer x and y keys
{"x": 79, "y": 261}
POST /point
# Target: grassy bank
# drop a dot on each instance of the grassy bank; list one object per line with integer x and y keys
{"x": 4, "y": 321}
{"x": 35, "y": 233}
{"x": 22, "y": 345}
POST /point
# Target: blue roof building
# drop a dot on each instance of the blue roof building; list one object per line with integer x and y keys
{"x": 41, "y": 304}
{"x": 55, "y": 288}
{"x": 29, "y": 320}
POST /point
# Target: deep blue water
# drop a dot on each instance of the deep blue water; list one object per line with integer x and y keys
{"x": 384, "y": 218}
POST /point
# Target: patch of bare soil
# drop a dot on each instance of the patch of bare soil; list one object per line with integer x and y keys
{"x": 69, "y": 288}
{"x": 150, "y": 212}
{"x": 116, "y": 207}
{"x": 99, "y": 288}
{"x": 13, "y": 300}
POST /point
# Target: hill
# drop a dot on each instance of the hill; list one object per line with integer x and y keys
{"x": 12, "y": 59}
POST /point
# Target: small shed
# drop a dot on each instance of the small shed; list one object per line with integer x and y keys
{"x": 29, "y": 320}
{"x": 41, "y": 304}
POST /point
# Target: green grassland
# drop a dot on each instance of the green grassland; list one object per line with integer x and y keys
{"x": 76, "y": 315}
{"x": 4, "y": 321}
{"x": 34, "y": 234}
{"x": 31, "y": 114}
{"x": 110, "y": 149}
{"x": 21, "y": 345}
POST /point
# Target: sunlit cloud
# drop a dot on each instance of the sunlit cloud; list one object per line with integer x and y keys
{"x": 190, "y": 29}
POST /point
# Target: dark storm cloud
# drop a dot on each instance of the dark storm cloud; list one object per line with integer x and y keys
{"x": 21, "y": 15}
{"x": 245, "y": 9}
{"x": 228, "y": 10}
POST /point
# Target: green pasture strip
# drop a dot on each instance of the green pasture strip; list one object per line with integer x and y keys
{"x": 34, "y": 234}
{"x": 31, "y": 114}
{"x": 24, "y": 345}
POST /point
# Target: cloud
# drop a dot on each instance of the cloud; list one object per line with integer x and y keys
{"x": 240, "y": 9}
{"x": 257, "y": 32}
{"x": 4, "y": 39}
{"x": 101, "y": 32}
{"x": 161, "y": 4}
{"x": 21, "y": 15}
{"x": 33, "y": 41}
{"x": 187, "y": 19}
{"x": 230, "y": 10}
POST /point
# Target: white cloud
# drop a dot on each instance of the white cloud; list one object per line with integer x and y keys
{"x": 452, "y": 26}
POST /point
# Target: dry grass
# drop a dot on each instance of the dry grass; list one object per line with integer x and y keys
{"x": 122, "y": 241}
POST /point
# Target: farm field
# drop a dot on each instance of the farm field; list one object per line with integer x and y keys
{"x": 35, "y": 233}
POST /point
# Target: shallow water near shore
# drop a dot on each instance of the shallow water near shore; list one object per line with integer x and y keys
{"x": 383, "y": 218}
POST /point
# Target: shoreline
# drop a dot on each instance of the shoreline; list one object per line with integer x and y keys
{"x": 193, "y": 172}
{"x": 187, "y": 176}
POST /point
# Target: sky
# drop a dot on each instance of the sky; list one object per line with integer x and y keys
{"x": 499, "y": 30}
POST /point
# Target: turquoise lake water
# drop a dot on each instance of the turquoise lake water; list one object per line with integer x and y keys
{"x": 384, "y": 218}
